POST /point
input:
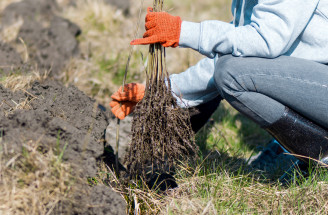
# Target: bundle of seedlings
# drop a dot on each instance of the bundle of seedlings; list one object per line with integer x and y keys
{"x": 161, "y": 130}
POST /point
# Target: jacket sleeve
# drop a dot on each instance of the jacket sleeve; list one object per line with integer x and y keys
{"x": 196, "y": 85}
{"x": 275, "y": 25}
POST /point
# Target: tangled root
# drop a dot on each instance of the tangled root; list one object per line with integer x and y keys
{"x": 161, "y": 133}
{"x": 161, "y": 130}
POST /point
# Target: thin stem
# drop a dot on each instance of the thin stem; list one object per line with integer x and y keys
{"x": 123, "y": 83}
{"x": 132, "y": 47}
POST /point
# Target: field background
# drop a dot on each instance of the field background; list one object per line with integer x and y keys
{"x": 220, "y": 183}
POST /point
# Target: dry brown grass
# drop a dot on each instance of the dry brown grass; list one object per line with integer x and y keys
{"x": 9, "y": 33}
{"x": 32, "y": 182}
{"x": 5, "y": 3}
{"x": 17, "y": 82}
{"x": 23, "y": 104}
{"x": 224, "y": 192}
{"x": 251, "y": 198}
{"x": 104, "y": 45}
{"x": 142, "y": 200}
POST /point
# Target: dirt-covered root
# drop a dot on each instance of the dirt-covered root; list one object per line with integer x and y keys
{"x": 161, "y": 133}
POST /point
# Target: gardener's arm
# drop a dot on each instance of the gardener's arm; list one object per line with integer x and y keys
{"x": 275, "y": 25}
{"x": 195, "y": 85}
{"x": 192, "y": 87}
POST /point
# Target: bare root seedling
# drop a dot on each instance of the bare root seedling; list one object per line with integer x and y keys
{"x": 161, "y": 131}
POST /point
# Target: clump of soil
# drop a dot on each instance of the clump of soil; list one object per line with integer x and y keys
{"x": 10, "y": 60}
{"x": 57, "y": 117}
{"x": 124, "y": 136}
{"x": 97, "y": 200}
{"x": 52, "y": 114}
{"x": 50, "y": 39}
{"x": 110, "y": 202}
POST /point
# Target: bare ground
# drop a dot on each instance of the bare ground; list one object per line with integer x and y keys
{"x": 44, "y": 113}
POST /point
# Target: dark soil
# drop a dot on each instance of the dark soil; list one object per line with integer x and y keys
{"x": 50, "y": 39}
{"x": 111, "y": 202}
{"x": 54, "y": 115}
{"x": 98, "y": 200}
{"x": 10, "y": 60}
{"x": 121, "y": 4}
{"x": 57, "y": 116}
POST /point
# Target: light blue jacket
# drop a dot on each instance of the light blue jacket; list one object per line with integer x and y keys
{"x": 262, "y": 28}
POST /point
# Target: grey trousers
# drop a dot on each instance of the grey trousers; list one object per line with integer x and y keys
{"x": 260, "y": 88}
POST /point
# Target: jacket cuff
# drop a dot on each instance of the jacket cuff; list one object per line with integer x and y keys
{"x": 190, "y": 35}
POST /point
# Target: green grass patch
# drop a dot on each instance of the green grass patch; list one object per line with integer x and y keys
{"x": 116, "y": 67}
{"x": 233, "y": 131}
{"x": 222, "y": 183}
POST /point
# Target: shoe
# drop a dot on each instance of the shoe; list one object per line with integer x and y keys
{"x": 272, "y": 160}
{"x": 295, "y": 173}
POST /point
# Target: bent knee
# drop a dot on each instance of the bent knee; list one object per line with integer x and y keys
{"x": 227, "y": 69}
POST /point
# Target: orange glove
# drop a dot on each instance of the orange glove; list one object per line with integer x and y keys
{"x": 162, "y": 28}
{"x": 124, "y": 102}
{"x": 121, "y": 110}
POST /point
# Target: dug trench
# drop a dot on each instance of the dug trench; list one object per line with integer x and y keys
{"x": 49, "y": 114}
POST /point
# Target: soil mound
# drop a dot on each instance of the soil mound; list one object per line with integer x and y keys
{"x": 125, "y": 136}
{"x": 111, "y": 202}
{"x": 98, "y": 200}
{"x": 52, "y": 114}
{"x": 50, "y": 39}
{"x": 10, "y": 60}
{"x": 48, "y": 114}
{"x": 55, "y": 116}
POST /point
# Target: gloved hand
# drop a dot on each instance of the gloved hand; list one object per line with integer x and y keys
{"x": 124, "y": 102}
{"x": 162, "y": 28}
